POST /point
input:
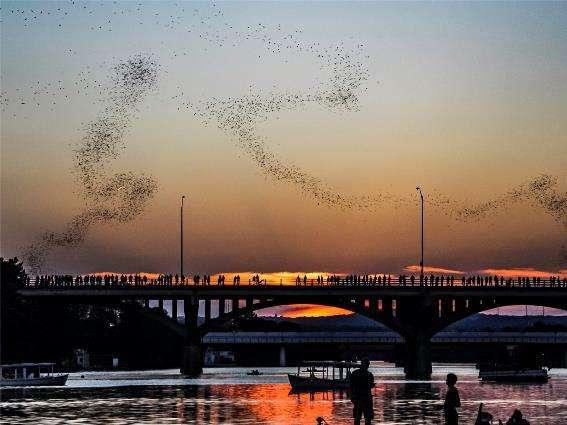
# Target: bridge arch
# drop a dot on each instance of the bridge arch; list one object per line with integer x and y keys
{"x": 163, "y": 318}
{"x": 457, "y": 313}
{"x": 356, "y": 308}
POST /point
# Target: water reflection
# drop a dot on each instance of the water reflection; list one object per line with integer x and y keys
{"x": 395, "y": 402}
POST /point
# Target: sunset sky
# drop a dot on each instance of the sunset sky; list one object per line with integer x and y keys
{"x": 467, "y": 100}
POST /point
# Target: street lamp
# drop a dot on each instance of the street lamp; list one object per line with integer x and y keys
{"x": 421, "y": 262}
{"x": 181, "y": 235}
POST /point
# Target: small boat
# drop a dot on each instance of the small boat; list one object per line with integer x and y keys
{"x": 321, "y": 375}
{"x": 30, "y": 374}
{"x": 254, "y": 372}
{"x": 503, "y": 373}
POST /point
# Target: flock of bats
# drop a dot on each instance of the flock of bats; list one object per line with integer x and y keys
{"x": 120, "y": 197}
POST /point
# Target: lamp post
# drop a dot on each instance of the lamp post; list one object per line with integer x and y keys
{"x": 421, "y": 262}
{"x": 181, "y": 237}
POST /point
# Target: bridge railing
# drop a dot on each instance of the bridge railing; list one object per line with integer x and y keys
{"x": 171, "y": 282}
{"x": 247, "y": 337}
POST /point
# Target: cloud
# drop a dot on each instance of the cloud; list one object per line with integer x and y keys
{"x": 524, "y": 272}
{"x": 428, "y": 269}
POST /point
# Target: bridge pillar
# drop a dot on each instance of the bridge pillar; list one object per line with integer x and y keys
{"x": 446, "y": 307}
{"x": 417, "y": 363}
{"x": 387, "y": 307}
{"x": 192, "y": 364}
{"x": 160, "y": 304}
{"x": 207, "y": 310}
{"x": 373, "y": 304}
{"x": 222, "y": 306}
{"x": 174, "y": 310}
{"x": 415, "y": 317}
{"x": 282, "y": 356}
{"x": 460, "y": 305}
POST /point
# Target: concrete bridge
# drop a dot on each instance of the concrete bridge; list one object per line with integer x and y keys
{"x": 377, "y": 337}
{"x": 415, "y": 312}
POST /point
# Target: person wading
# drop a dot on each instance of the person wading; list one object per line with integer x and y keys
{"x": 452, "y": 401}
{"x": 361, "y": 383}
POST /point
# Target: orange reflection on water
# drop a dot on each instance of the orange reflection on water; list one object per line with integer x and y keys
{"x": 268, "y": 404}
{"x": 273, "y": 403}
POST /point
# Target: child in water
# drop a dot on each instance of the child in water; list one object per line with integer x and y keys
{"x": 452, "y": 401}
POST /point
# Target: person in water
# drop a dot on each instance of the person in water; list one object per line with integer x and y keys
{"x": 361, "y": 382}
{"x": 452, "y": 401}
{"x": 483, "y": 418}
{"x": 517, "y": 419}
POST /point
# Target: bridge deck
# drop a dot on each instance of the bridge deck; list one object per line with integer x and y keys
{"x": 216, "y": 291}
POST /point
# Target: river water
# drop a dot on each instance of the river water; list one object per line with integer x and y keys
{"x": 229, "y": 396}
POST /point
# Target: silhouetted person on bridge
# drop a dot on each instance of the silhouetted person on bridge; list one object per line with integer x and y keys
{"x": 452, "y": 401}
{"x": 361, "y": 382}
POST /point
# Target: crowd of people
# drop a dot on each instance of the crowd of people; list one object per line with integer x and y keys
{"x": 431, "y": 280}
{"x": 351, "y": 280}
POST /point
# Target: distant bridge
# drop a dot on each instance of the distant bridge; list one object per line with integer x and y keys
{"x": 416, "y": 312}
{"x": 373, "y": 337}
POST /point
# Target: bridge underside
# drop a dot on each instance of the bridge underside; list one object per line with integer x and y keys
{"x": 416, "y": 313}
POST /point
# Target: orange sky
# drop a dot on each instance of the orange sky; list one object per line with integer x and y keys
{"x": 305, "y": 310}
{"x": 288, "y": 278}
{"x": 468, "y": 108}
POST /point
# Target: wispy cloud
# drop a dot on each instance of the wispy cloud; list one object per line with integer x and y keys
{"x": 523, "y": 271}
{"x": 506, "y": 272}
{"x": 428, "y": 269}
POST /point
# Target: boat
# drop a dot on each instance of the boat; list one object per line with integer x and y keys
{"x": 508, "y": 373}
{"x": 30, "y": 374}
{"x": 254, "y": 372}
{"x": 321, "y": 375}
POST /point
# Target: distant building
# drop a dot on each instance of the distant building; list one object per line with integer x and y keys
{"x": 85, "y": 360}
{"x": 218, "y": 357}
{"x": 82, "y": 358}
